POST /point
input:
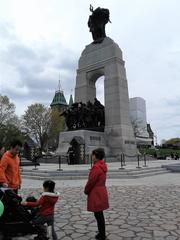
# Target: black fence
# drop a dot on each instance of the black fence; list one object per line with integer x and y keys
{"x": 141, "y": 159}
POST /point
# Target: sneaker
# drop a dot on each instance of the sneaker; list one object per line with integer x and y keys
{"x": 98, "y": 237}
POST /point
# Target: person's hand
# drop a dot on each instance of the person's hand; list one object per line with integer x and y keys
{"x": 24, "y": 203}
{"x": 5, "y": 185}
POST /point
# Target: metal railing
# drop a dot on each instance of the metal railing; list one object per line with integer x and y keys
{"x": 122, "y": 157}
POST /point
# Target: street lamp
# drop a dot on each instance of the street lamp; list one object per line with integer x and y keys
{"x": 155, "y": 140}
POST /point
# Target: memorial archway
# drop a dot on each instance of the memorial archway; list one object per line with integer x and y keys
{"x": 105, "y": 59}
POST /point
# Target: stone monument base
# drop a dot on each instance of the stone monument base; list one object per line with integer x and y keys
{"x": 91, "y": 140}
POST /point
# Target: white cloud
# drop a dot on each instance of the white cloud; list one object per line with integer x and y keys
{"x": 39, "y": 39}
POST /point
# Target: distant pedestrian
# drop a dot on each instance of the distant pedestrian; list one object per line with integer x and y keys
{"x": 45, "y": 214}
{"x": 176, "y": 156}
{"x": 2, "y": 150}
{"x": 155, "y": 155}
{"x": 9, "y": 167}
{"x": 172, "y": 155}
{"x": 96, "y": 190}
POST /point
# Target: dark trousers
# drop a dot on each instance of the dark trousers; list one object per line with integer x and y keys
{"x": 100, "y": 223}
{"x": 40, "y": 222}
{"x": 15, "y": 190}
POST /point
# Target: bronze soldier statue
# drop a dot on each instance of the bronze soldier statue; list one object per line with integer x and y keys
{"x": 96, "y": 23}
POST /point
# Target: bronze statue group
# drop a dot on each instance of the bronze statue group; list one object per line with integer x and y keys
{"x": 85, "y": 116}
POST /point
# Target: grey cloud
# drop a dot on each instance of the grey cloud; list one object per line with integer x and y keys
{"x": 173, "y": 102}
{"x": 6, "y": 31}
{"x": 148, "y": 33}
{"x": 21, "y": 52}
{"x": 38, "y": 70}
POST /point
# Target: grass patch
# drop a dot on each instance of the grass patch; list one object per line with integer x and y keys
{"x": 161, "y": 153}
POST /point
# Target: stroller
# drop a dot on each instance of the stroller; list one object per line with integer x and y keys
{"x": 16, "y": 219}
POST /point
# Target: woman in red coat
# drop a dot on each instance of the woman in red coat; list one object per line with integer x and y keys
{"x": 96, "y": 190}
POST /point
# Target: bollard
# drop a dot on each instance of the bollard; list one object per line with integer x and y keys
{"x": 124, "y": 162}
{"x": 59, "y": 164}
{"x": 90, "y": 162}
{"x": 35, "y": 164}
{"x": 145, "y": 165}
{"x": 121, "y": 161}
{"x": 138, "y": 158}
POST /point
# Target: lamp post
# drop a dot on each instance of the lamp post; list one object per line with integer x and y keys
{"x": 155, "y": 140}
{"x": 59, "y": 164}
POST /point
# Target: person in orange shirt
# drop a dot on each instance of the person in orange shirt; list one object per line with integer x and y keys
{"x": 1, "y": 150}
{"x": 9, "y": 167}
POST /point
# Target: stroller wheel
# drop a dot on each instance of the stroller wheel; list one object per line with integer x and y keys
{"x": 40, "y": 238}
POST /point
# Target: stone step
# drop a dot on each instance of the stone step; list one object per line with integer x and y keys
{"x": 131, "y": 176}
{"x": 26, "y": 162}
{"x": 172, "y": 167}
{"x": 62, "y": 175}
{"x": 85, "y": 172}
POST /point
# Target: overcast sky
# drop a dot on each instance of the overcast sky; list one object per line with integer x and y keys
{"x": 41, "y": 38}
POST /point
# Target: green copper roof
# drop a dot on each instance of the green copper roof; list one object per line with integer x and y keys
{"x": 59, "y": 99}
{"x": 70, "y": 100}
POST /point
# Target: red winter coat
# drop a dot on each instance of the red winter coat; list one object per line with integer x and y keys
{"x": 95, "y": 188}
{"x": 46, "y": 203}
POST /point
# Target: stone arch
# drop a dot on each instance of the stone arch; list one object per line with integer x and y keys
{"x": 106, "y": 59}
{"x": 92, "y": 77}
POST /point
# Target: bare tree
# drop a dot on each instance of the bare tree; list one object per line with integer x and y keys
{"x": 36, "y": 121}
{"x": 7, "y": 111}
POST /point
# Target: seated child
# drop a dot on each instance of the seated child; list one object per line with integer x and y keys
{"x": 45, "y": 213}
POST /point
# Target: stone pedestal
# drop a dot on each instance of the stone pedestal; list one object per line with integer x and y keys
{"x": 91, "y": 139}
{"x": 106, "y": 59}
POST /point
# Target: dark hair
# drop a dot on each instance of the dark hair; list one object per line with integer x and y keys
{"x": 1, "y": 146}
{"x": 99, "y": 153}
{"x": 49, "y": 184}
{"x": 31, "y": 199}
{"x": 15, "y": 143}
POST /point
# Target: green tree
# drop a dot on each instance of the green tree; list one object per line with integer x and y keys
{"x": 57, "y": 124}
{"x": 9, "y": 122}
{"x": 9, "y": 132}
{"x": 172, "y": 141}
{"x": 36, "y": 123}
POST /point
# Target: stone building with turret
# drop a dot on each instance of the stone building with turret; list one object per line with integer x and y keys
{"x": 59, "y": 101}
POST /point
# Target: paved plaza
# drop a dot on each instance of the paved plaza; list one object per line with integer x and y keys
{"x": 140, "y": 209}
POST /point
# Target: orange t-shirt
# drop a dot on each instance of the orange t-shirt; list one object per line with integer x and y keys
{"x": 9, "y": 170}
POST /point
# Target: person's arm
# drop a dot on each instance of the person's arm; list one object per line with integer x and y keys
{"x": 38, "y": 203}
{"x": 91, "y": 8}
{"x": 19, "y": 175}
{"x": 3, "y": 167}
{"x": 93, "y": 177}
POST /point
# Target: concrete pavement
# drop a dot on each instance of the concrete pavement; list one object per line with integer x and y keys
{"x": 140, "y": 209}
